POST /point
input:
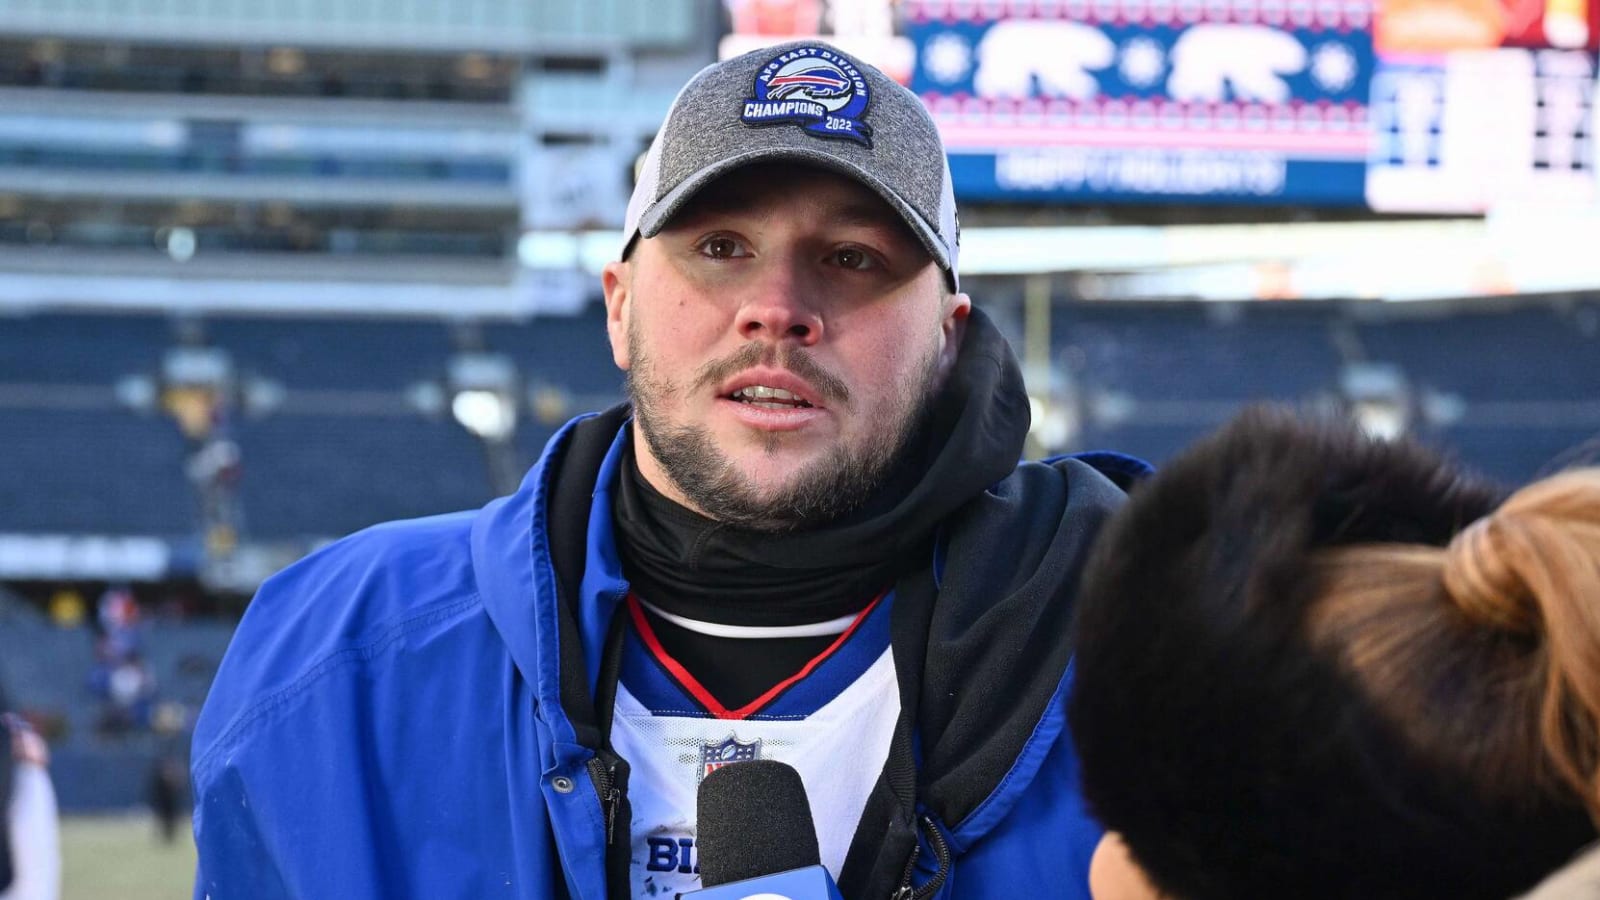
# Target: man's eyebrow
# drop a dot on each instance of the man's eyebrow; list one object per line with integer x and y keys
{"x": 867, "y": 214}
{"x": 881, "y": 219}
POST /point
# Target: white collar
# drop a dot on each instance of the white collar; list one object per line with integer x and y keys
{"x": 716, "y": 629}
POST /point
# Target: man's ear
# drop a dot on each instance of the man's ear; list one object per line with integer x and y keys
{"x": 957, "y": 307}
{"x": 616, "y": 281}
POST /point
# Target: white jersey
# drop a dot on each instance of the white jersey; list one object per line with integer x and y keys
{"x": 832, "y": 722}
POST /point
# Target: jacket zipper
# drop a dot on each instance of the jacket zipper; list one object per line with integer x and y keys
{"x": 606, "y": 786}
{"x": 609, "y": 772}
{"x": 941, "y": 849}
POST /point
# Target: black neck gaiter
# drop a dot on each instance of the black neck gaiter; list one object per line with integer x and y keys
{"x": 693, "y": 566}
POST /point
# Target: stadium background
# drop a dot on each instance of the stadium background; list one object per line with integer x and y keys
{"x": 270, "y": 273}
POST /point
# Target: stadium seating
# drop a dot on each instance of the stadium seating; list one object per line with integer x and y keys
{"x": 1515, "y": 455}
{"x": 69, "y": 349}
{"x": 99, "y": 471}
{"x": 324, "y": 476}
{"x": 335, "y": 354}
{"x": 49, "y": 670}
{"x": 565, "y": 351}
{"x": 184, "y": 657}
{"x": 346, "y": 447}
{"x": 54, "y": 666}
{"x": 1486, "y": 353}
{"x": 1187, "y": 351}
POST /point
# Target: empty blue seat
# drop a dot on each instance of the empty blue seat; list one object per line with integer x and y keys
{"x": 68, "y": 349}
{"x": 324, "y": 476}
{"x": 1186, "y": 351}
{"x": 1532, "y": 353}
{"x": 94, "y": 471}
{"x": 348, "y": 354}
{"x": 569, "y": 352}
{"x": 1515, "y": 455}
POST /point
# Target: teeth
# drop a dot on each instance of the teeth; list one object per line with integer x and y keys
{"x": 770, "y": 397}
{"x": 762, "y": 392}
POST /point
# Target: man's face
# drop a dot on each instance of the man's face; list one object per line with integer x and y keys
{"x": 782, "y": 337}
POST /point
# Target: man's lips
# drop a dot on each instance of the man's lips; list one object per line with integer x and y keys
{"x": 770, "y": 416}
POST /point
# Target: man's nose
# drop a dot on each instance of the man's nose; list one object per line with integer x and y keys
{"x": 781, "y": 305}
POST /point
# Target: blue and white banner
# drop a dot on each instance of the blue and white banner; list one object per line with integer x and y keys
{"x": 1221, "y": 100}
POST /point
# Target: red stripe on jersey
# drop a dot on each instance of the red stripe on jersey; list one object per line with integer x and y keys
{"x": 698, "y": 691}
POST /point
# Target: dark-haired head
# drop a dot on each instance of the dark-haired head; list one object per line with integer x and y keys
{"x": 1314, "y": 665}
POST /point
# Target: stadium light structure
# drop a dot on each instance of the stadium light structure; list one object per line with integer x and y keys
{"x": 181, "y": 244}
{"x": 483, "y": 395}
{"x": 196, "y": 382}
{"x": 1054, "y": 426}
{"x": 486, "y": 414}
{"x": 1378, "y": 398}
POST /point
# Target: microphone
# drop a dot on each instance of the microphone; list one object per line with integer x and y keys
{"x": 755, "y": 836}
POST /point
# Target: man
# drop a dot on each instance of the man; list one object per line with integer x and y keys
{"x": 807, "y": 539}
{"x": 30, "y": 851}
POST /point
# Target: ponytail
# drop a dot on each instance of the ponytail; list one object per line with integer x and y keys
{"x": 1533, "y": 568}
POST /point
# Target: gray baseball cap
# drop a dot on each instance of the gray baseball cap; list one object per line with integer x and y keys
{"x": 806, "y": 102}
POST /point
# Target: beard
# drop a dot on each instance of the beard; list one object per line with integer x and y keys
{"x": 833, "y": 485}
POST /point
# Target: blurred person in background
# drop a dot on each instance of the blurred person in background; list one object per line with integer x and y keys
{"x": 121, "y": 676}
{"x": 30, "y": 844}
{"x": 808, "y": 538}
{"x": 1314, "y": 665}
{"x": 167, "y": 789}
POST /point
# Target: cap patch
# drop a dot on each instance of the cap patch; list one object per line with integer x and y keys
{"x": 815, "y": 87}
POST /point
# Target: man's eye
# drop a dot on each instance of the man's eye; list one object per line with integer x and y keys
{"x": 721, "y": 248}
{"x": 853, "y": 258}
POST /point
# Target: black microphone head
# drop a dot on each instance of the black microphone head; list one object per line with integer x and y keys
{"x": 753, "y": 820}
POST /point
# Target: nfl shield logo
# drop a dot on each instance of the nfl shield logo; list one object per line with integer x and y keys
{"x": 726, "y": 752}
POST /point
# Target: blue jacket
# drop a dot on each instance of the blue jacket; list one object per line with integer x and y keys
{"x": 394, "y": 717}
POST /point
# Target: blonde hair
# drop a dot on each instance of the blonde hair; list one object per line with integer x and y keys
{"x": 1483, "y": 655}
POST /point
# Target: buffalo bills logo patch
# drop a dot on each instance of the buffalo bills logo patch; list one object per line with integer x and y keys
{"x": 814, "y": 87}
{"x": 714, "y": 756}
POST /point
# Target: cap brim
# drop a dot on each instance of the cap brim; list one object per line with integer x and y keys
{"x": 656, "y": 216}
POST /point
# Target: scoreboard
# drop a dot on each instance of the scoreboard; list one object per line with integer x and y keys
{"x": 1224, "y": 100}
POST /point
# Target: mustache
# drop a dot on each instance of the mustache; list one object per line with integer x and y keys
{"x": 830, "y": 387}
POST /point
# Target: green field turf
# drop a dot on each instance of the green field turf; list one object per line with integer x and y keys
{"x": 119, "y": 858}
